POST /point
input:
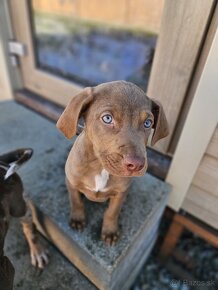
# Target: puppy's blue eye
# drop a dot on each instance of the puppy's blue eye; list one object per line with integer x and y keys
{"x": 148, "y": 123}
{"x": 107, "y": 119}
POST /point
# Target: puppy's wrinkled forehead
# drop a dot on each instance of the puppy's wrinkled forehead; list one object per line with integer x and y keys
{"x": 121, "y": 94}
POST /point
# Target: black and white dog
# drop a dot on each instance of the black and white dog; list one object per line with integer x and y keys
{"x": 14, "y": 203}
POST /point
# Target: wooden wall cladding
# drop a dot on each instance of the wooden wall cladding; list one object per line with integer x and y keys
{"x": 202, "y": 197}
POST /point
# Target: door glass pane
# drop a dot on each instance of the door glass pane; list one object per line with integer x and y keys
{"x": 94, "y": 41}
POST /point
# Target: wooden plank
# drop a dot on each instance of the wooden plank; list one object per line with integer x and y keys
{"x": 39, "y": 104}
{"x": 158, "y": 164}
{"x": 196, "y": 227}
{"x": 104, "y": 11}
{"x": 179, "y": 222}
{"x": 200, "y": 213}
{"x": 63, "y": 8}
{"x": 206, "y": 176}
{"x": 172, "y": 237}
{"x": 193, "y": 143}
{"x": 202, "y": 199}
{"x": 212, "y": 148}
{"x": 212, "y": 27}
{"x": 145, "y": 14}
{"x": 182, "y": 30}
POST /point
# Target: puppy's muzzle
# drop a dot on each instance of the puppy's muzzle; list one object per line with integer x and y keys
{"x": 133, "y": 164}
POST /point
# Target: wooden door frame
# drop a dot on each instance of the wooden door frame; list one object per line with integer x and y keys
{"x": 10, "y": 78}
{"x": 47, "y": 85}
{"x": 183, "y": 32}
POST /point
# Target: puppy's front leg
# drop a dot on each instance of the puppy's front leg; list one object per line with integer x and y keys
{"x": 38, "y": 253}
{"x": 110, "y": 228}
{"x": 77, "y": 216}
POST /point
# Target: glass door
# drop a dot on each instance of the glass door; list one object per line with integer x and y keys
{"x": 77, "y": 43}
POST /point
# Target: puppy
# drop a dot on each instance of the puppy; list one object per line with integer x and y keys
{"x": 118, "y": 118}
{"x": 15, "y": 203}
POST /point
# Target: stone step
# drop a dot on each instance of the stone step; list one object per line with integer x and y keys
{"x": 107, "y": 267}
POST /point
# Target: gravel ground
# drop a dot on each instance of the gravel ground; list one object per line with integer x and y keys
{"x": 61, "y": 275}
{"x": 155, "y": 276}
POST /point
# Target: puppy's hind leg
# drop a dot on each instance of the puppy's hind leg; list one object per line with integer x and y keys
{"x": 38, "y": 253}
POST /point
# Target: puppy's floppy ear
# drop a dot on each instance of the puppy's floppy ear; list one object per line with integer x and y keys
{"x": 161, "y": 128}
{"x": 68, "y": 120}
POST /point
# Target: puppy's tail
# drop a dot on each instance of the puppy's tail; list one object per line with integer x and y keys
{"x": 13, "y": 160}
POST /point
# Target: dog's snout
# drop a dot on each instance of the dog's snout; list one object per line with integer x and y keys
{"x": 134, "y": 163}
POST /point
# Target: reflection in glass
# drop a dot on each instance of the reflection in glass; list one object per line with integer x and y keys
{"x": 89, "y": 52}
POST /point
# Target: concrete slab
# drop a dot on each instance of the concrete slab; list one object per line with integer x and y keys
{"x": 43, "y": 177}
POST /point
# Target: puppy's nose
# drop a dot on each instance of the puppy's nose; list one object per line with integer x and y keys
{"x": 134, "y": 163}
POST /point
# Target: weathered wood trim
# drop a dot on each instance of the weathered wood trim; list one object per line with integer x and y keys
{"x": 202, "y": 206}
{"x": 197, "y": 132}
{"x": 39, "y": 104}
{"x": 183, "y": 221}
{"x": 183, "y": 28}
{"x": 196, "y": 226}
{"x": 206, "y": 176}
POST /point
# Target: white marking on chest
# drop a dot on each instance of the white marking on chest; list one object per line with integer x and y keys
{"x": 101, "y": 180}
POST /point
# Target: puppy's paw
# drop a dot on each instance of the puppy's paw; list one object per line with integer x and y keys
{"x": 77, "y": 224}
{"x": 110, "y": 237}
{"x": 39, "y": 256}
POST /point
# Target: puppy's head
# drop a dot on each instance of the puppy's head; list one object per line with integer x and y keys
{"x": 11, "y": 187}
{"x": 119, "y": 118}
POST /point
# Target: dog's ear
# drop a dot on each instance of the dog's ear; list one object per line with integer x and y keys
{"x": 67, "y": 123}
{"x": 161, "y": 128}
{"x": 14, "y": 159}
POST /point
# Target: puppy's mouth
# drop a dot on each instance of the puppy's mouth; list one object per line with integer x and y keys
{"x": 115, "y": 165}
